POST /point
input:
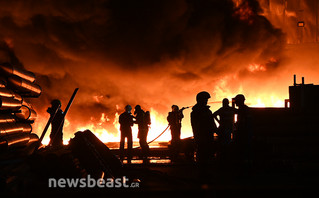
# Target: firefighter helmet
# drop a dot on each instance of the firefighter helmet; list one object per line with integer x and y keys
{"x": 202, "y": 96}
{"x": 56, "y": 103}
{"x": 240, "y": 98}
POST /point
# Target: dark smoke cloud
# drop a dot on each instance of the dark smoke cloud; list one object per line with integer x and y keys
{"x": 144, "y": 52}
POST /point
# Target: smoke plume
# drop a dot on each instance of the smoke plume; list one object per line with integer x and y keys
{"x": 152, "y": 53}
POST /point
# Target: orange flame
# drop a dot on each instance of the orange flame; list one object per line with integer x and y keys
{"x": 159, "y": 123}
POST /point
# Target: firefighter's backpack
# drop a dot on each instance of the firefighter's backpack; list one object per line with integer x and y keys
{"x": 147, "y": 118}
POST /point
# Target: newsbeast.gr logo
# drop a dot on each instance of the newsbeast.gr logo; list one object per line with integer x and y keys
{"x": 90, "y": 182}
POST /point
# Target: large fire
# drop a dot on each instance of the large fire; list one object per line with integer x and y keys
{"x": 157, "y": 54}
{"x": 159, "y": 122}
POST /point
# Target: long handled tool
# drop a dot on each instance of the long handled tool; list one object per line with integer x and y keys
{"x": 52, "y": 117}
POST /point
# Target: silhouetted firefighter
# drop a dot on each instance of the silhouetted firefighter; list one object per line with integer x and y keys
{"x": 56, "y": 136}
{"x": 174, "y": 119}
{"x": 126, "y": 121}
{"x": 226, "y": 122}
{"x": 142, "y": 120}
{"x": 243, "y": 133}
{"x": 203, "y": 125}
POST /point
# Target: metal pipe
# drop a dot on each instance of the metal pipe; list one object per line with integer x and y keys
{"x": 70, "y": 101}
{"x": 33, "y": 115}
{"x": 11, "y": 128}
{"x": 26, "y": 113}
{"x": 303, "y": 80}
{"x": 4, "y": 92}
{"x": 26, "y": 127}
{"x": 12, "y": 70}
{"x": 20, "y": 139}
{"x": 24, "y": 87}
{"x": 17, "y": 97}
{"x": 6, "y": 118}
{"x": 33, "y": 137}
{"x": 9, "y": 103}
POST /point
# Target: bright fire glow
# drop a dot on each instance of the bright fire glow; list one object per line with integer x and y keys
{"x": 271, "y": 101}
{"x": 159, "y": 122}
{"x": 158, "y": 125}
{"x": 256, "y": 68}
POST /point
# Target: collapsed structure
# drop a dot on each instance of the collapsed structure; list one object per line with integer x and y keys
{"x": 16, "y": 114}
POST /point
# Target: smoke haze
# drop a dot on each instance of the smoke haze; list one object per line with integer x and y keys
{"x": 152, "y": 53}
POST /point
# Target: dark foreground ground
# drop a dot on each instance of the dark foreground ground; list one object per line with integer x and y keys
{"x": 280, "y": 167}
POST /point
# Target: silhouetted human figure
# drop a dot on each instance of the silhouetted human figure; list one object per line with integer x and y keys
{"x": 203, "y": 126}
{"x": 174, "y": 119}
{"x": 141, "y": 121}
{"x": 56, "y": 136}
{"x": 126, "y": 122}
{"x": 243, "y": 133}
{"x": 226, "y": 122}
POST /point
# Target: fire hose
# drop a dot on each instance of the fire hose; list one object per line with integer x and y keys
{"x": 168, "y": 125}
{"x": 155, "y": 138}
{"x": 159, "y": 135}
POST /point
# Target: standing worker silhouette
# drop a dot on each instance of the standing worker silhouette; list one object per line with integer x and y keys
{"x": 56, "y": 136}
{"x": 174, "y": 119}
{"x": 126, "y": 121}
{"x": 226, "y": 122}
{"x": 243, "y": 134}
{"x": 203, "y": 125}
{"x": 142, "y": 122}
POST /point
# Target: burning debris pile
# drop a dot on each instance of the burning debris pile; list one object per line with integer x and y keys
{"x": 16, "y": 114}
